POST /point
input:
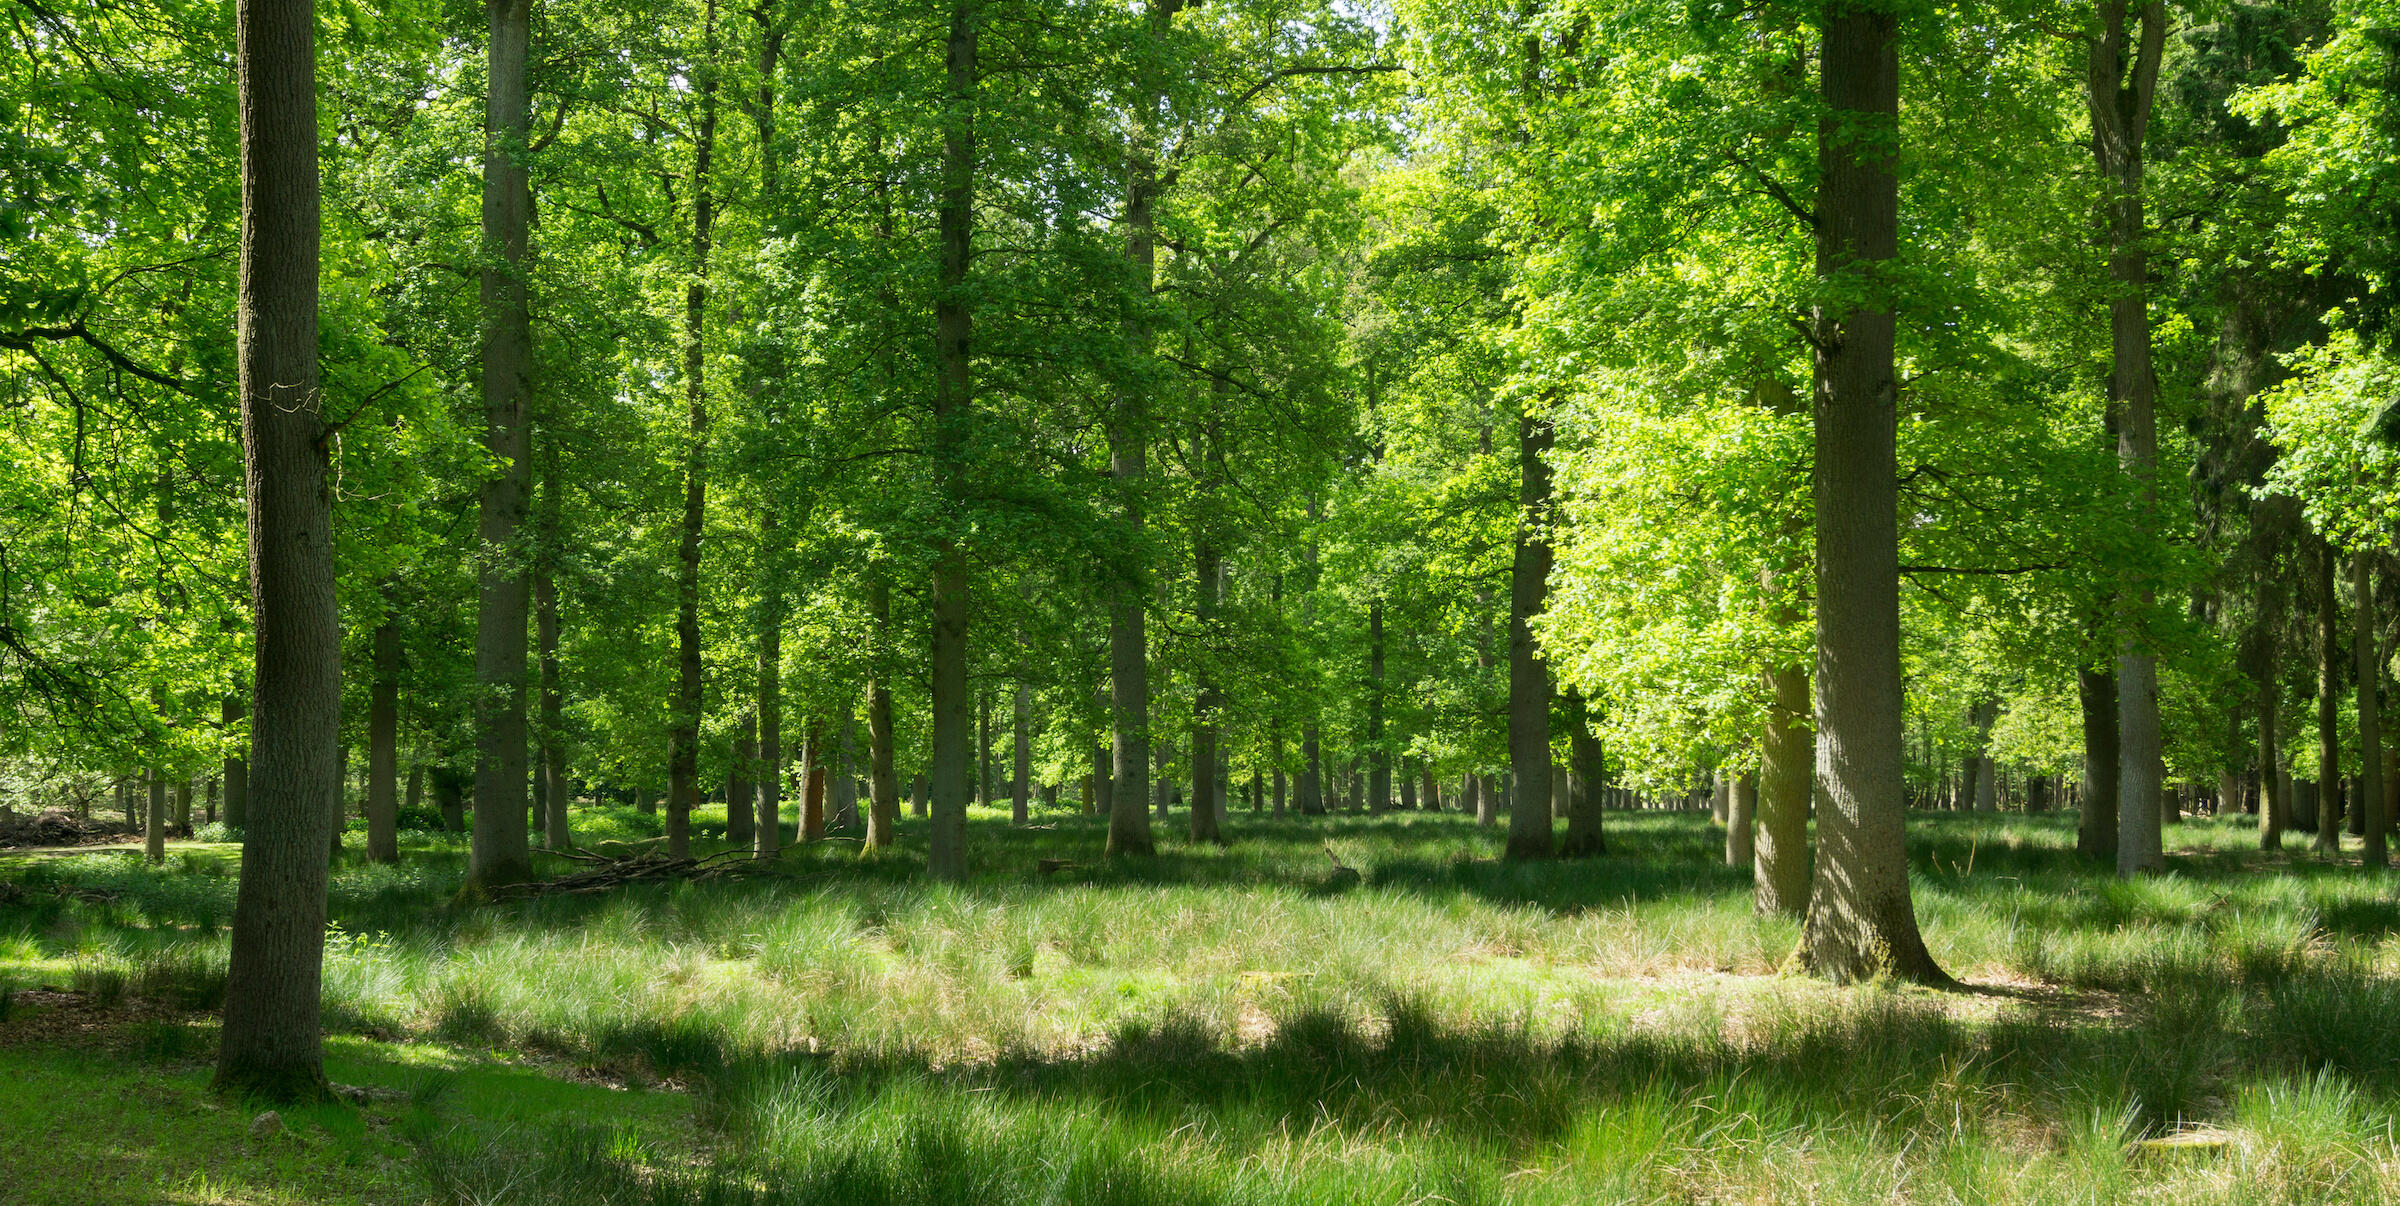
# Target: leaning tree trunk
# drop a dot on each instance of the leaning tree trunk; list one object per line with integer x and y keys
{"x": 2123, "y": 77}
{"x": 953, "y": 702}
{"x": 1861, "y": 920}
{"x": 383, "y": 746}
{"x": 500, "y": 853}
{"x": 2096, "y": 830}
{"x": 270, "y": 1045}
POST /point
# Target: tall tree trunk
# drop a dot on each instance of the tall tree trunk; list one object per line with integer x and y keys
{"x": 1585, "y": 837}
{"x": 556, "y": 834}
{"x": 812, "y": 782}
{"x": 500, "y": 851}
{"x": 741, "y": 804}
{"x": 1379, "y": 756}
{"x": 952, "y": 701}
{"x": 766, "y": 839}
{"x": 2274, "y": 806}
{"x": 2329, "y": 687}
{"x": 2369, "y": 655}
{"x": 1207, "y": 574}
{"x": 683, "y": 758}
{"x": 2123, "y": 77}
{"x": 1487, "y": 799}
{"x": 1529, "y": 824}
{"x": 1861, "y": 920}
{"x": 2096, "y": 830}
{"x": 383, "y": 746}
{"x": 271, "y": 1046}
{"x": 154, "y": 817}
{"x": 883, "y": 787}
{"x": 1020, "y": 770}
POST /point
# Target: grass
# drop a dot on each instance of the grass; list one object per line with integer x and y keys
{"x": 1222, "y": 1026}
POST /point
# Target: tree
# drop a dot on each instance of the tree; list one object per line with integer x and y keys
{"x": 272, "y": 1043}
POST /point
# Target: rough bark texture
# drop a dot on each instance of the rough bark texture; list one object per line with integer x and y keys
{"x": 2123, "y": 77}
{"x": 1779, "y": 862}
{"x": 499, "y": 853}
{"x": 271, "y": 1046}
{"x": 2096, "y": 829}
{"x": 952, "y": 702}
{"x": 1529, "y": 825}
{"x": 1861, "y": 920}
{"x": 383, "y": 747}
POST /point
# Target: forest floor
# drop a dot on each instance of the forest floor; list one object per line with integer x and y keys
{"x": 1226, "y": 1026}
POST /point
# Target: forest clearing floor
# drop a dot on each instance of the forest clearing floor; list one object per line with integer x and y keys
{"x": 1223, "y": 1025}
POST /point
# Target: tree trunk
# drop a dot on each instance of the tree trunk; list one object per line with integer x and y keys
{"x": 154, "y": 817}
{"x": 2096, "y": 829}
{"x": 812, "y": 782}
{"x": 1980, "y": 768}
{"x": 766, "y": 837}
{"x": 500, "y": 853}
{"x": 2274, "y": 801}
{"x": 236, "y": 768}
{"x": 2122, "y": 80}
{"x": 1207, "y": 575}
{"x": 1020, "y": 770}
{"x": 1585, "y": 837}
{"x": 1487, "y": 800}
{"x": 1861, "y": 920}
{"x": 741, "y": 804}
{"x": 2369, "y": 656}
{"x": 2329, "y": 737}
{"x": 1312, "y": 771}
{"x": 952, "y": 702}
{"x": 1379, "y": 758}
{"x": 556, "y": 834}
{"x": 1786, "y": 778}
{"x": 383, "y": 747}
{"x": 270, "y": 1045}
{"x": 1529, "y": 824}
{"x": 1740, "y": 817}
{"x": 683, "y": 758}
{"x": 883, "y": 781}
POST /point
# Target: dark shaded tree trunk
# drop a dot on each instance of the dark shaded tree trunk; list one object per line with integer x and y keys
{"x": 1020, "y": 770}
{"x": 271, "y": 1044}
{"x": 953, "y": 399}
{"x": 883, "y": 785}
{"x": 383, "y": 747}
{"x": 2096, "y": 829}
{"x": 1585, "y": 837}
{"x": 500, "y": 852}
{"x": 154, "y": 817}
{"x": 1780, "y": 872}
{"x": 1861, "y": 920}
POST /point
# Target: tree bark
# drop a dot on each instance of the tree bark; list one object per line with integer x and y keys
{"x": 883, "y": 786}
{"x": 500, "y": 852}
{"x": 270, "y": 1045}
{"x": 766, "y": 839}
{"x": 2369, "y": 656}
{"x": 1861, "y": 920}
{"x": 952, "y": 701}
{"x": 2274, "y": 803}
{"x": 154, "y": 817}
{"x": 2123, "y": 78}
{"x": 2329, "y": 686}
{"x": 1585, "y": 836}
{"x": 2096, "y": 829}
{"x": 1207, "y": 574}
{"x": 1020, "y": 770}
{"x": 683, "y": 758}
{"x": 1529, "y": 823}
{"x": 383, "y": 746}
{"x": 1780, "y": 870}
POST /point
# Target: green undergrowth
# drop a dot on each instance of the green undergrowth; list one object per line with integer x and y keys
{"x": 1236, "y": 1025}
